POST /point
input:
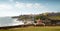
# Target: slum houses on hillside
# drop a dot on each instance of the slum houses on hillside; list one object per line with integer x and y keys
{"x": 51, "y": 19}
{"x": 29, "y": 20}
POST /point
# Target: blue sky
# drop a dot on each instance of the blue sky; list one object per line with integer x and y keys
{"x": 18, "y": 7}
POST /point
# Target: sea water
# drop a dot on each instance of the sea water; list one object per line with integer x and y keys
{"x": 8, "y": 21}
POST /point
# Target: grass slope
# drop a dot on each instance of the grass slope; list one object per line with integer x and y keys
{"x": 50, "y": 28}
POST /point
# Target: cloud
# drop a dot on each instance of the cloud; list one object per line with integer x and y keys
{"x": 7, "y": 10}
{"x": 5, "y": 6}
{"x": 19, "y": 5}
{"x": 28, "y": 8}
{"x": 21, "y": 8}
{"x": 11, "y": 0}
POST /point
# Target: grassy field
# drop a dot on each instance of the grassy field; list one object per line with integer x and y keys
{"x": 50, "y": 28}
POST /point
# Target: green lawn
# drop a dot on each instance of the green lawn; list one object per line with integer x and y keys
{"x": 50, "y": 28}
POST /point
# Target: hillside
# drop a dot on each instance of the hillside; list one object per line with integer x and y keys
{"x": 53, "y": 16}
{"x": 43, "y": 16}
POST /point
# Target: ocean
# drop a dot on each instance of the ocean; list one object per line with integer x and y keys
{"x": 8, "y": 21}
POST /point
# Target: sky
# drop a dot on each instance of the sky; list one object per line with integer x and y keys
{"x": 21, "y": 7}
